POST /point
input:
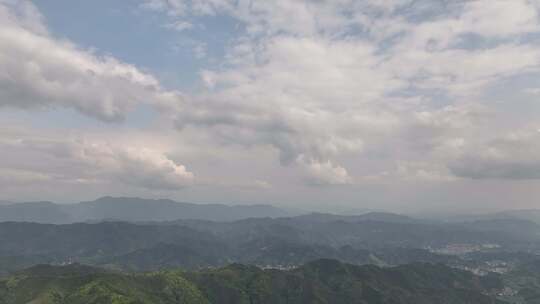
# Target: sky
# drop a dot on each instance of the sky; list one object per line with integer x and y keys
{"x": 342, "y": 105}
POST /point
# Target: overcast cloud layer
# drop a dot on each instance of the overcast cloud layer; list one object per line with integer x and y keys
{"x": 411, "y": 105}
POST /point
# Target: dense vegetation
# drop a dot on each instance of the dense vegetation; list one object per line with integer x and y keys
{"x": 322, "y": 281}
{"x": 135, "y": 256}
{"x": 382, "y": 239}
{"x": 153, "y": 247}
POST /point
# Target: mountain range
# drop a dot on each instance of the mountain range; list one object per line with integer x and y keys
{"x": 131, "y": 209}
{"x": 382, "y": 239}
{"x": 133, "y": 249}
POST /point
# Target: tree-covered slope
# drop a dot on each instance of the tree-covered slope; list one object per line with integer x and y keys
{"x": 194, "y": 244}
{"x": 321, "y": 281}
{"x": 77, "y": 284}
{"x": 329, "y": 281}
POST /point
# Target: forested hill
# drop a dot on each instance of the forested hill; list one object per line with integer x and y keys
{"x": 321, "y": 281}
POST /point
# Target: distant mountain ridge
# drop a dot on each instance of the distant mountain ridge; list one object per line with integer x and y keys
{"x": 532, "y": 215}
{"x": 38, "y": 212}
{"x": 131, "y": 209}
{"x": 368, "y": 216}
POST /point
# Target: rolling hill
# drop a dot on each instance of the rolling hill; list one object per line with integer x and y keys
{"x": 321, "y": 281}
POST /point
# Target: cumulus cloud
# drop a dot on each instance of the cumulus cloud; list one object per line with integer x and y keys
{"x": 38, "y": 70}
{"x": 298, "y": 101}
{"x": 317, "y": 80}
{"x": 513, "y": 156}
{"x": 141, "y": 167}
{"x": 38, "y": 156}
{"x": 400, "y": 86}
{"x": 324, "y": 173}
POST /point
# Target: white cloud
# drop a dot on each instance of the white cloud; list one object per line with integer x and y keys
{"x": 318, "y": 80}
{"x": 43, "y": 156}
{"x": 513, "y": 156}
{"x": 324, "y": 173}
{"x": 294, "y": 96}
{"x": 499, "y": 18}
{"x": 24, "y": 14}
{"x": 400, "y": 86}
{"x": 40, "y": 71}
{"x": 179, "y": 25}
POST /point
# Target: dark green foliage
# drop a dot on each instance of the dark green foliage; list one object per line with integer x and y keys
{"x": 76, "y": 284}
{"x": 321, "y": 281}
{"x": 138, "y": 247}
{"x": 195, "y": 244}
{"x": 94, "y": 242}
{"x": 525, "y": 281}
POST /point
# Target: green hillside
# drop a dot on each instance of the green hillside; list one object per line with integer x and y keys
{"x": 322, "y": 281}
{"x": 76, "y": 284}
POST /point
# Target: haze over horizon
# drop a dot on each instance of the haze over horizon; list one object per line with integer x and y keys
{"x": 399, "y": 105}
{"x": 292, "y": 211}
